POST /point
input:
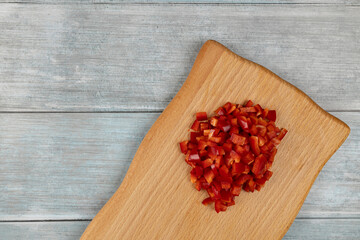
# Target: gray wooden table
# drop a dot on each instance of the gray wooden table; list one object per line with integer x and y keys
{"x": 82, "y": 81}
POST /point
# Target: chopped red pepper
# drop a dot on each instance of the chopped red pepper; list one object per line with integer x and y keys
{"x": 183, "y": 146}
{"x": 201, "y": 116}
{"x": 195, "y": 125}
{"x": 232, "y": 150}
{"x": 237, "y": 139}
{"x": 219, "y": 206}
{"x": 254, "y": 144}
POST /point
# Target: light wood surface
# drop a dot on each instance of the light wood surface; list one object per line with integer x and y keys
{"x": 126, "y": 56}
{"x": 135, "y": 57}
{"x": 156, "y": 199}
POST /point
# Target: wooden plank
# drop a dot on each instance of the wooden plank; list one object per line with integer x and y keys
{"x": 66, "y": 166}
{"x": 314, "y": 229}
{"x": 42, "y": 230}
{"x": 346, "y": 2}
{"x": 135, "y": 57}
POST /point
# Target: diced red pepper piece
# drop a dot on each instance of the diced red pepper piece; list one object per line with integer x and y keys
{"x": 258, "y": 187}
{"x": 197, "y": 171}
{"x": 219, "y": 161}
{"x": 261, "y": 130}
{"x": 224, "y": 126}
{"x": 248, "y": 158}
{"x": 214, "y": 121}
{"x": 235, "y": 190}
{"x": 260, "y": 181}
{"x": 240, "y": 150}
{"x": 215, "y": 139}
{"x": 271, "y": 135}
{"x": 262, "y": 141}
{"x": 226, "y": 196}
{"x": 193, "y": 177}
{"x": 237, "y": 139}
{"x": 220, "y": 111}
{"x": 254, "y": 144}
{"x": 213, "y": 152}
{"x": 282, "y": 133}
{"x": 224, "y": 171}
{"x": 268, "y": 174}
{"x": 209, "y": 175}
{"x": 234, "y": 130}
{"x": 249, "y": 103}
{"x": 225, "y": 185}
{"x": 251, "y": 185}
{"x": 262, "y": 122}
{"x": 202, "y": 145}
{"x": 227, "y": 147}
{"x": 235, "y": 156}
{"x": 198, "y": 185}
{"x": 259, "y": 165}
{"x": 243, "y": 123}
{"x": 206, "y": 132}
{"x": 227, "y": 106}
{"x": 193, "y": 136}
{"x": 191, "y": 146}
{"x": 248, "y": 109}
{"x": 258, "y": 109}
{"x": 253, "y": 130}
{"x": 276, "y": 141}
{"x": 207, "y": 201}
{"x": 216, "y": 190}
{"x": 204, "y": 126}
{"x": 271, "y": 115}
{"x": 265, "y": 113}
{"x": 254, "y": 120}
{"x": 183, "y": 146}
{"x": 272, "y": 156}
{"x": 219, "y": 206}
{"x": 270, "y": 127}
{"x": 232, "y": 108}
{"x": 195, "y": 126}
{"x": 233, "y": 122}
{"x": 221, "y": 150}
{"x": 238, "y": 168}
{"x": 202, "y": 153}
{"x": 194, "y": 155}
{"x": 231, "y": 203}
{"x": 242, "y": 179}
{"x": 207, "y": 163}
{"x": 228, "y": 161}
{"x": 201, "y": 116}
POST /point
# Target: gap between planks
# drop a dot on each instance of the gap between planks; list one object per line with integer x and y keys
{"x": 136, "y": 111}
{"x": 184, "y": 2}
{"x": 88, "y": 220}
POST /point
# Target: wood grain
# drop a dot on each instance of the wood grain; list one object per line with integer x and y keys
{"x": 314, "y": 229}
{"x": 135, "y": 57}
{"x": 345, "y": 2}
{"x": 83, "y": 158}
{"x": 155, "y": 193}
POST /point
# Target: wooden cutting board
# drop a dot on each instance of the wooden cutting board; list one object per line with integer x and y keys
{"x": 156, "y": 199}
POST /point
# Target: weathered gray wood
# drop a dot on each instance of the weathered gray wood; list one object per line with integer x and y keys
{"x": 66, "y": 166}
{"x": 347, "y": 2}
{"x": 314, "y": 229}
{"x": 42, "y": 230}
{"x": 136, "y": 56}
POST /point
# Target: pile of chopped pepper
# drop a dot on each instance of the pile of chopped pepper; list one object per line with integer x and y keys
{"x": 232, "y": 150}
